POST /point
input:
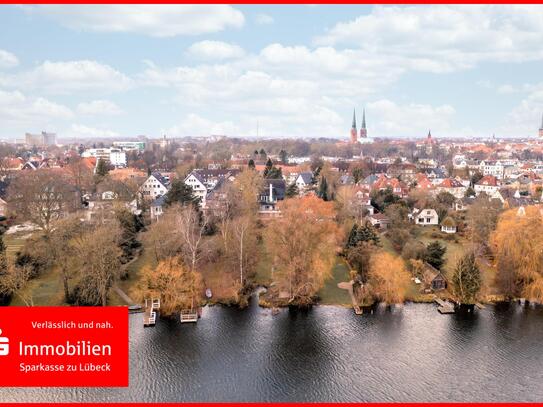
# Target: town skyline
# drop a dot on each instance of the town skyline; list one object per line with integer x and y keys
{"x": 242, "y": 71}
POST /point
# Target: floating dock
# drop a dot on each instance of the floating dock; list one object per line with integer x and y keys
{"x": 188, "y": 316}
{"x": 445, "y": 307}
{"x": 150, "y": 313}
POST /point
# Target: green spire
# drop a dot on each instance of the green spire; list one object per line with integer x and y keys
{"x": 354, "y": 119}
{"x": 363, "y": 119}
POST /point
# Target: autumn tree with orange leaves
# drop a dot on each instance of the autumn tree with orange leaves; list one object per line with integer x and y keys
{"x": 517, "y": 244}
{"x": 304, "y": 242}
{"x": 388, "y": 279}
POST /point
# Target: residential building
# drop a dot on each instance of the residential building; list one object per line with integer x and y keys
{"x": 155, "y": 186}
{"x": 488, "y": 184}
{"x": 425, "y": 217}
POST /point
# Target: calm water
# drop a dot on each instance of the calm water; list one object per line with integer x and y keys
{"x": 329, "y": 354}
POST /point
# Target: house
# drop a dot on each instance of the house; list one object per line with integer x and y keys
{"x": 452, "y": 186}
{"x": 488, "y": 184}
{"x": 436, "y": 175}
{"x": 448, "y": 225}
{"x": 433, "y": 278}
{"x": 379, "y": 221}
{"x": 157, "y": 208}
{"x": 272, "y": 192}
{"x": 397, "y": 186}
{"x": 462, "y": 204}
{"x": 346, "y": 180}
{"x": 155, "y": 185}
{"x": 425, "y": 217}
{"x": 493, "y": 168}
{"x": 304, "y": 180}
{"x": 203, "y": 181}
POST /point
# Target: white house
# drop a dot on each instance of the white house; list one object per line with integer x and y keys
{"x": 156, "y": 185}
{"x": 197, "y": 184}
{"x": 488, "y": 184}
{"x": 448, "y": 225}
{"x": 425, "y": 217}
{"x": 117, "y": 158}
{"x": 303, "y": 181}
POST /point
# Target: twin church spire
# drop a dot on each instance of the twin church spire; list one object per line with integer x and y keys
{"x": 363, "y": 130}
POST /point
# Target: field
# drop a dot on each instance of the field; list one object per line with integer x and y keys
{"x": 331, "y": 293}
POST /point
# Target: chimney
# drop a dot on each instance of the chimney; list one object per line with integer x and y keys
{"x": 271, "y": 192}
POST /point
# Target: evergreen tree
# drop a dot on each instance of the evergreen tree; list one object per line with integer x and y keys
{"x": 284, "y": 156}
{"x": 323, "y": 189}
{"x": 367, "y": 233}
{"x": 180, "y": 193}
{"x": 469, "y": 192}
{"x": 292, "y": 190}
{"x": 263, "y": 154}
{"x": 435, "y": 252}
{"x": 101, "y": 168}
{"x": 251, "y": 164}
{"x": 466, "y": 279}
{"x": 272, "y": 172}
{"x": 352, "y": 238}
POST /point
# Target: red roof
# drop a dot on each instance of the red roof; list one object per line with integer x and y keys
{"x": 489, "y": 180}
{"x": 451, "y": 183}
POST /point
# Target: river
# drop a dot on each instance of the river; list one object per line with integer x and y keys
{"x": 328, "y": 354}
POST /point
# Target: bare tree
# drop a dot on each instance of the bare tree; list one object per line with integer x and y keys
{"x": 42, "y": 197}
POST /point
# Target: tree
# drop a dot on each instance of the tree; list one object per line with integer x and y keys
{"x": 263, "y": 154}
{"x": 42, "y": 197}
{"x": 251, "y": 164}
{"x": 102, "y": 168}
{"x": 466, "y": 279}
{"x": 359, "y": 258}
{"x": 180, "y": 193}
{"x": 292, "y": 191}
{"x": 517, "y": 244}
{"x": 271, "y": 171}
{"x": 482, "y": 218}
{"x": 283, "y": 155}
{"x": 174, "y": 283}
{"x": 383, "y": 198}
{"x": 98, "y": 254}
{"x": 63, "y": 251}
{"x": 446, "y": 198}
{"x": 303, "y": 241}
{"x": 470, "y": 192}
{"x": 363, "y": 233}
{"x": 323, "y": 189}
{"x": 80, "y": 174}
{"x": 435, "y": 252}
{"x": 475, "y": 178}
{"x": 388, "y": 278}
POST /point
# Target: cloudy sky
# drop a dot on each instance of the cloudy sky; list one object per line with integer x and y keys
{"x": 297, "y": 71}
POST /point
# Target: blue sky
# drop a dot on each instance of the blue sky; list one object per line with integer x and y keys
{"x": 297, "y": 71}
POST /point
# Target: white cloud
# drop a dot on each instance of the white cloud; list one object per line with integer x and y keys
{"x": 20, "y": 113}
{"x": 79, "y": 130}
{"x": 389, "y": 119}
{"x": 69, "y": 76}
{"x": 195, "y": 125}
{"x": 99, "y": 107}
{"x": 7, "y": 59}
{"x": 444, "y": 38}
{"x": 215, "y": 50}
{"x": 164, "y": 20}
{"x": 264, "y": 19}
{"x": 525, "y": 118}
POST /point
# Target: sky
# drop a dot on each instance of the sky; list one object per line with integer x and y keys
{"x": 270, "y": 70}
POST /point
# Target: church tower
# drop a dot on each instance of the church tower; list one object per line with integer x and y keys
{"x": 541, "y": 128}
{"x": 354, "y": 132}
{"x": 363, "y": 130}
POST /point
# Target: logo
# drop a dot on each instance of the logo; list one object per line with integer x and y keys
{"x": 4, "y": 345}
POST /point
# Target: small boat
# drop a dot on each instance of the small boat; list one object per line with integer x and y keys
{"x": 209, "y": 294}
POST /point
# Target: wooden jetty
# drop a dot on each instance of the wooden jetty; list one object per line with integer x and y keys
{"x": 445, "y": 307}
{"x": 150, "y": 313}
{"x": 188, "y": 315}
{"x": 349, "y": 287}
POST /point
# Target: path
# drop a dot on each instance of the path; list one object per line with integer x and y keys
{"x": 349, "y": 287}
{"x": 123, "y": 295}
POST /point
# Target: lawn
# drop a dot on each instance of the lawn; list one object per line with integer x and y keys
{"x": 454, "y": 250}
{"x": 331, "y": 293}
{"x": 44, "y": 290}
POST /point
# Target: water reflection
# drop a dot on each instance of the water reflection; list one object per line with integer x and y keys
{"x": 329, "y": 354}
